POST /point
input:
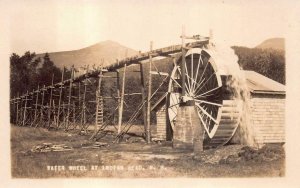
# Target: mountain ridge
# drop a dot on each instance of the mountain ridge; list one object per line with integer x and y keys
{"x": 274, "y": 43}
{"x": 101, "y": 53}
{"x": 107, "y": 52}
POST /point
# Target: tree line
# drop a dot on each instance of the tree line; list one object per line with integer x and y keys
{"x": 268, "y": 62}
{"x": 28, "y": 71}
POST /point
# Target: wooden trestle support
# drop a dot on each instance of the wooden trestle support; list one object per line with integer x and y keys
{"x": 64, "y": 105}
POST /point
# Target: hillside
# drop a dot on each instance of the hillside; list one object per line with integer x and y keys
{"x": 108, "y": 50}
{"x": 274, "y": 43}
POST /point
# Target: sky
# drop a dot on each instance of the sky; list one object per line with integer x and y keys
{"x": 50, "y": 26}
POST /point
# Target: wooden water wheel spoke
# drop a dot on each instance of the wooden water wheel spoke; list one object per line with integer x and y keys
{"x": 200, "y": 80}
{"x": 199, "y": 88}
{"x": 196, "y": 75}
{"x": 201, "y": 118}
{"x": 205, "y": 94}
{"x": 212, "y": 103}
{"x": 188, "y": 80}
{"x": 186, "y": 86}
{"x": 207, "y": 114}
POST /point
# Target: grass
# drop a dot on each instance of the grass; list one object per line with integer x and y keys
{"x": 124, "y": 160}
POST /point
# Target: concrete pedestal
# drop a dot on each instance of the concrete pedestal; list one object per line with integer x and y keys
{"x": 188, "y": 131}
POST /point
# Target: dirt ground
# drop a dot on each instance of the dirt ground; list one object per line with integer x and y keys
{"x": 40, "y": 153}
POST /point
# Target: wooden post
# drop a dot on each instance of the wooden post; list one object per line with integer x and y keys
{"x": 50, "y": 102}
{"x": 25, "y": 107}
{"x": 143, "y": 97}
{"x": 31, "y": 115}
{"x": 42, "y": 106}
{"x": 12, "y": 109}
{"x": 74, "y": 115}
{"x": 120, "y": 116}
{"x": 64, "y": 113}
{"x": 21, "y": 111}
{"x": 17, "y": 116}
{"x": 148, "y": 132}
{"x": 79, "y": 100}
{"x": 59, "y": 100}
{"x": 36, "y": 104}
{"x": 118, "y": 92}
{"x": 69, "y": 99}
{"x": 183, "y": 52}
{"x": 83, "y": 115}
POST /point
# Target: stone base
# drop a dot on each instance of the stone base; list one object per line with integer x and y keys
{"x": 188, "y": 131}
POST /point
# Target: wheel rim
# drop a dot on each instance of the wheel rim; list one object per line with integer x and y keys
{"x": 203, "y": 84}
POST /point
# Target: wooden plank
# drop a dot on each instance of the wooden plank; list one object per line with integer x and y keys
{"x": 148, "y": 131}
{"x": 129, "y": 94}
{"x": 50, "y": 102}
{"x": 42, "y": 106}
{"x": 69, "y": 99}
{"x": 159, "y": 73}
{"x": 183, "y": 63}
{"x": 17, "y": 116}
{"x": 36, "y": 104}
{"x": 120, "y": 116}
{"x": 83, "y": 114}
{"x": 143, "y": 96}
{"x": 59, "y": 100}
{"x": 24, "y": 113}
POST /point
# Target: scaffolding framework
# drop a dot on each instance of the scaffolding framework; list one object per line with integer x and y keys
{"x": 64, "y": 105}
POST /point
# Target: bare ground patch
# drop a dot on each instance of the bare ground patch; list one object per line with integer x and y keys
{"x": 134, "y": 159}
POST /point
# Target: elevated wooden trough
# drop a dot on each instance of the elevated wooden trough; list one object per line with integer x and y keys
{"x": 38, "y": 108}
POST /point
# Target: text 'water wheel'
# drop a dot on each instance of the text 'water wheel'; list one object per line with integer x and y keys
{"x": 204, "y": 85}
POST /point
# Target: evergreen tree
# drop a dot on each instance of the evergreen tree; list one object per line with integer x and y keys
{"x": 23, "y": 73}
{"x": 47, "y": 70}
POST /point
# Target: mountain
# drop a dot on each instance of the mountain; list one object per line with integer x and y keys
{"x": 274, "y": 43}
{"x": 108, "y": 50}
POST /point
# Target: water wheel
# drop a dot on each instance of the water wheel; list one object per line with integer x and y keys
{"x": 206, "y": 85}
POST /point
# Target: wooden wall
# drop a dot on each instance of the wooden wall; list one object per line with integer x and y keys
{"x": 161, "y": 124}
{"x": 268, "y": 118}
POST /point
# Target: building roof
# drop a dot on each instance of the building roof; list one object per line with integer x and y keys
{"x": 258, "y": 83}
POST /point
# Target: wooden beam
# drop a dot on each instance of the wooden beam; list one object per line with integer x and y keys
{"x": 143, "y": 97}
{"x": 183, "y": 63}
{"x": 42, "y": 106}
{"x": 36, "y": 104}
{"x": 159, "y": 73}
{"x": 21, "y": 110}
{"x": 118, "y": 92}
{"x": 17, "y": 116}
{"x": 59, "y": 100}
{"x": 74, "y": 115}
{"x": 148, "y": 131}
{"x": 120, "y": 116}
{"x": 24, "y": 112}
{"x": 50, "y": 102}
{"x": 83, "y": 114}
{"x": 69, "y": 99}
{"x": 79, "y": 100}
